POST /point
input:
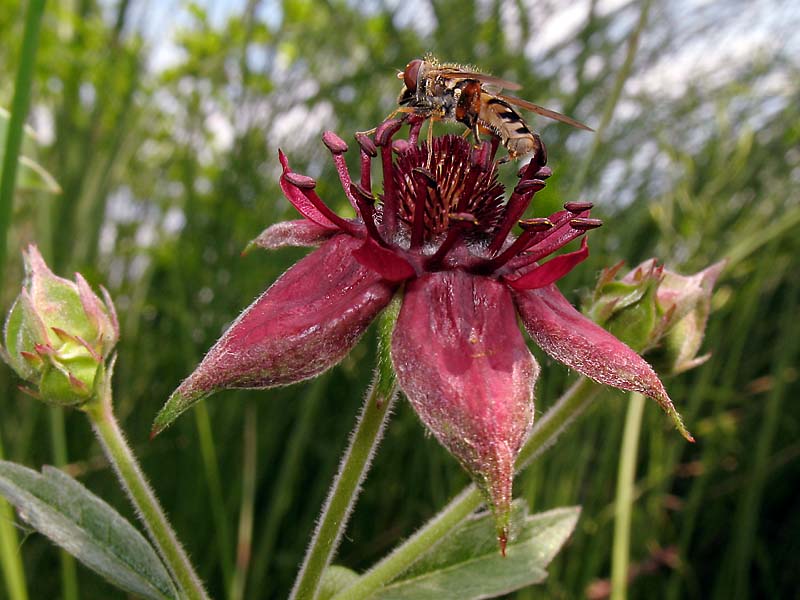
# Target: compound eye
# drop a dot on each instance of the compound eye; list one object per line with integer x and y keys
{"x": 411, "y": 73}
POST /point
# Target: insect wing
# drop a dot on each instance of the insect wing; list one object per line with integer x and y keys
{"x": 490, "y": 80}
{"x": 545, "y": 112}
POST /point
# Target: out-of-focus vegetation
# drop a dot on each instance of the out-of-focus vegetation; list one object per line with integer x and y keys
{"x": 161, "y": 125}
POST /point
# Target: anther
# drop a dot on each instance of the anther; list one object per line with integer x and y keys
{"x": 493, "y": 145}
{"x": 429, "y": 177}
{"x": 537, "y": 162}
{"x": 414, "y": 129}
{"x": 578, "y": 207}
{"x": 334, "y": 143}
{"x": 585, "y": 224}
{"x": 361, "y": 194}
{"x": 541, "y": 156}
{"x": 400, "y": 146}
{"x": 481, "y": 157}
{"x": 529, "y": 184}
{"x": 515, "y": 208}
{"x": 463, "y": 217}
{"x": 366, "y": 206}
{"x": 385, "y": 131}
{"x": 303, "y": 182}
{"x": 536, "y": 225}
{"x": 367, "y": 145}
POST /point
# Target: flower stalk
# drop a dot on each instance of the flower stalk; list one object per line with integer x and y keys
{"x": 354, "y": 466}
{"x": 135, "y": 484}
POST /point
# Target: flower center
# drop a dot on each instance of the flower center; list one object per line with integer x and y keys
{"x": 442, "y": 207}
{"x": 445, "y": 183}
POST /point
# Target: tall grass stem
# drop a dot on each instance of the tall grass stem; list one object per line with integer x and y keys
{"x": 10, "y": 560}
{"x": 612, "y": 101}
{"x": 750, "y": 504}
{"x": 623, "y": 506}
{"x": 284, "y": 490}
{"x": 12, "y": 568}
{"x": 208, "y": 451}
{"x": 244, "y": 542}
{"x": 19, "y": 112}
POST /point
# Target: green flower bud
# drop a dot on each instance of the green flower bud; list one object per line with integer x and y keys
{"x": 657, "y": 312}
{"x": 59, "y": 334}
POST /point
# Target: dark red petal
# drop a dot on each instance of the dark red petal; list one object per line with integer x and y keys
{"x": 306, "y": 322}
{"x": 383, "y": 261}
{"x": 572, "y": 339}
{"x": 463, "y": 363}
{"x": 303, "y": 205}
{"x": 551, "y": 271}
{"x": 293, "y": 233}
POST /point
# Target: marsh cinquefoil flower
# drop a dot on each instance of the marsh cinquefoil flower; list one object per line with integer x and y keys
{"x": 441, "y": 232}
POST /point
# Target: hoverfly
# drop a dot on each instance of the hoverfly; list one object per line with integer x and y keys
{"x": 450, "y": 92}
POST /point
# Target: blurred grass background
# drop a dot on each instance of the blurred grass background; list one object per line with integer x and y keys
{"x": 161, "y": 123}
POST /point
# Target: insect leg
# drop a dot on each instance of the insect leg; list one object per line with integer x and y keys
{"x": 405, "y": 110}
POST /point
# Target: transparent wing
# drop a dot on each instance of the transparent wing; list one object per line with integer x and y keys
{"x": 490, "y": 80}
{"x": 545, "y": 112}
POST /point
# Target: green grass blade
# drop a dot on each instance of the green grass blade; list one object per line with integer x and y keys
{"x": 626, "y": 477}
{"x": 19, "y": 112}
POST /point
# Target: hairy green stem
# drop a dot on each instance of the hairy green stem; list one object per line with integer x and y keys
{"x": 141, "y": 495}
{"x": 623, "y": 506}
{"x": 58, "y": 441}
{"x": 353, "y": 468}
{"x": 563, "y": 413}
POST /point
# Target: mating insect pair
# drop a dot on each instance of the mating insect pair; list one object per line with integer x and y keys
{"x": 450, "y": 92}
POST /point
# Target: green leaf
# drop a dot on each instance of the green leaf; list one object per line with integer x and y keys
{"x": 334, "y": 580}
{"x": 72, "y": 517}
{"x": 31, "y": 176}
{"x": 467, "y": 565}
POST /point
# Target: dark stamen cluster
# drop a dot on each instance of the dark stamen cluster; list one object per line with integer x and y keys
{"x": 444, "y": 182}
{"x": 445, "y": 193}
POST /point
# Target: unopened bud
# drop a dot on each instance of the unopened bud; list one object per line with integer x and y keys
{"x": 59, "y": 334}
{"x": 657, "y": 311}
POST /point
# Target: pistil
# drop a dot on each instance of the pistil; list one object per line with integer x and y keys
{"x": 459, "y": 223}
